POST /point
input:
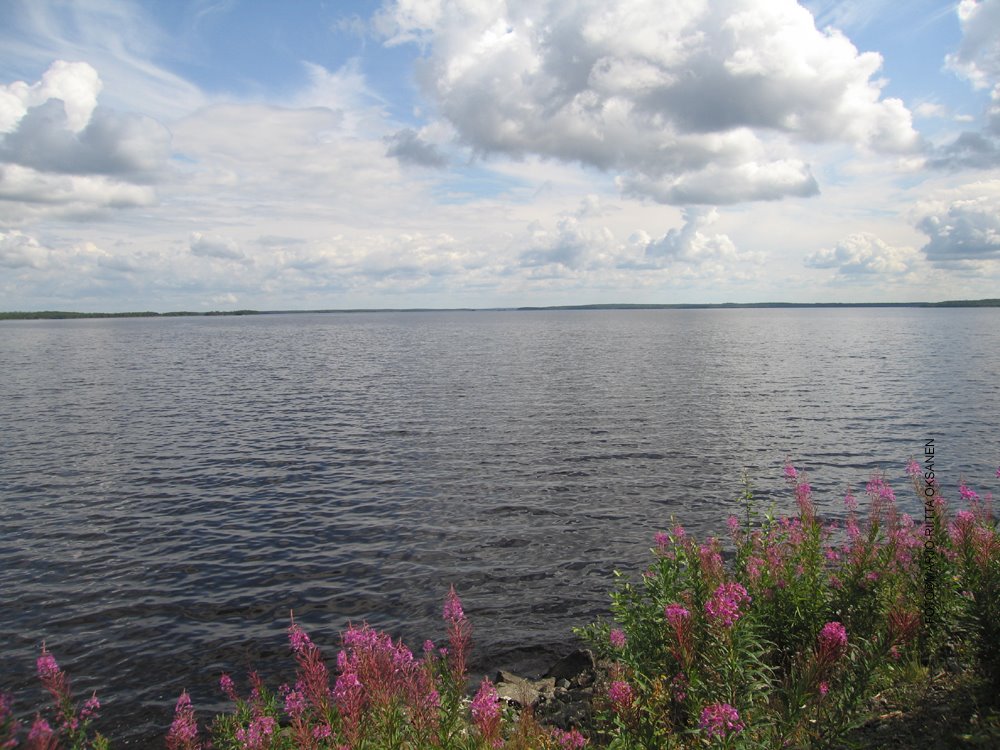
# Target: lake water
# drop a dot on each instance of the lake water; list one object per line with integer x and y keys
{"x": 170, "y": 489}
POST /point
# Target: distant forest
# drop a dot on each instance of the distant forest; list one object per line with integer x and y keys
{"x": 63, "y": 315}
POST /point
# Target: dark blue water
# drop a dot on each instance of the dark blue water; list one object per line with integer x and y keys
{"x": 170, "y": 489}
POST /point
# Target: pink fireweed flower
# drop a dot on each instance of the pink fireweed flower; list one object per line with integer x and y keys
{"x": 41, "y": 735}
{"x": 913, "y": 469}
{"x": 571, "y": 740}
{"x": 90, "y": 708}
{"x": 295, "y": 700}
{"x": 486, "y": 712}
{"x": 734, "y": 525}
{"x": 428, "y": 647}
{"x": 725, "y": 604}
{"x": 998, "y": 472}
{"x": 850, "y": 502}
{"x": 967, "y": 493}
{"x": 228, "y": 688}
{"x": 183, "y": 734}
{"x": 621, "y": 695}
{"x": 459, "y": 635}
{"x": 322, "y": 732}
{"x": 52, "y": 677}
{"x": 299, "y": 640}
{"x": 720, "y": 720}
{"x": 257, "y": 736}
{"x": 349, "y": 697}
{"x": 824, "y": 688}
{"x": 677, "y": 615}
{"x": 662, "y": 541}
{"x": 314, "y": 677}
{"x": 879, "y": 489}
{"x": 831, "y": 642}
{"x": 791, "y": 472}
{"x": 618, "y": 638}
{"x": 453, "y": 607}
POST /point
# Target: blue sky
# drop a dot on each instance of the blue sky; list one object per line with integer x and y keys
{"x": 453, "y": 153}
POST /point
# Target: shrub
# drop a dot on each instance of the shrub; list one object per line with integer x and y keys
{"x": 788, "y": 644}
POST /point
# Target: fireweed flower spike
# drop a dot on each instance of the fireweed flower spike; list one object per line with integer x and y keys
{"x": 831, "y": 643}
{"x": 720, "y": 720}
{"x": 725, "y": 605}
{"x": 53, "y": 678}
{"x": 618, "y": 638}
{"x": 621, "y": 695}
{"x": 183, "y": 734}
{"x": 486, "y": 713}
{"x": 459, "y": 635}
{"x": 41, "y": 736}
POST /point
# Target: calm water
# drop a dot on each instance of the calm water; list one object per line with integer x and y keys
{"x": 171, "y": 488}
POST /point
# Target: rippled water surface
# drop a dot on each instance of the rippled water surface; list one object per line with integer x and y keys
{"x": 170, "y": 489}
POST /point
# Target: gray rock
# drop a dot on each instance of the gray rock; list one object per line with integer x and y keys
{"x": 521, "y": 691}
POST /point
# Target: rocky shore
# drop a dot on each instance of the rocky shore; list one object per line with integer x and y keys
{"x": 563, "y": 697}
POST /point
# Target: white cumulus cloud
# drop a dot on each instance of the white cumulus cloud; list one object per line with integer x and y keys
{"x": 75, "y": 84}
{"x": 690, "y": 245}
{"x": 864, "y": 254}
{"x": 698, "y": 104}
{"x": 64, "y": 155}
{"x": 964, "y": 228}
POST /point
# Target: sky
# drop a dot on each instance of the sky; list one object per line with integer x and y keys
{"x": 241, "y": 154}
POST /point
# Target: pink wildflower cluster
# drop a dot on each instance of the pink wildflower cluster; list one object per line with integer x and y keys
{"x": 803, "y": 492}
{"x": 720, "y": 720}
{"x": 41, "y": 736}
{"x": 378, "y": 673}
{"x": 662, "y": 541}
{"x": 832, "y": 642}
{"x": 967, "y": 493}
{"x": 677, "y": 615}
{"x": 618, "y": 638}
{"x": 486, "y": 713}
{"x": 56, "y": 682}
{"x": 459, "y": 635}
{"x": 313, "y": 676}
{"x": 621, "y": 695}
{"x": 726, "y": 603}
{"x": 257, "y": 736}
{"x": 571, "y": 740}
{"x": 183, "y": 734}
